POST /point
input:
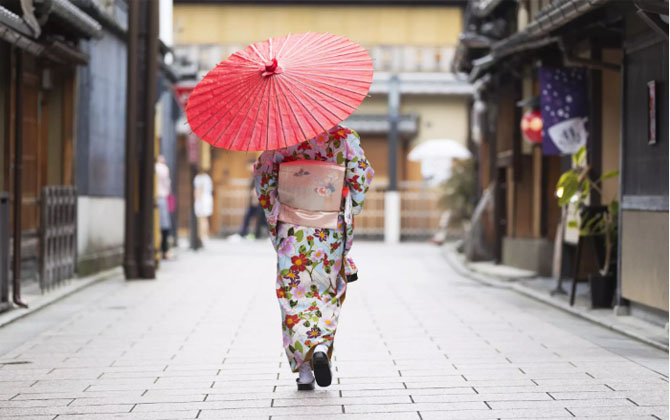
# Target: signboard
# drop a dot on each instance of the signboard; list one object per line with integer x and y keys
{"x": 651, "y": 117}
{"x": 192, "y": 149}
{"x": 182, "y": 91}
{"x": 564, "y": 106}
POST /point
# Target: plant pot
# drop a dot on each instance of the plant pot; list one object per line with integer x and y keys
{"x": 602, "y": 290}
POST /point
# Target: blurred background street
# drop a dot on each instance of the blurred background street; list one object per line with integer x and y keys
{"x": 513, "y": 246}
{"x": 416, "y": 341}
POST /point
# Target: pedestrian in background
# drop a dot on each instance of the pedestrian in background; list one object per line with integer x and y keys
{"x": 254, "y": 211}
{"x": 204, "y": 203}
{"x": 331, "y": 173}
{"x": 163, "y": 190}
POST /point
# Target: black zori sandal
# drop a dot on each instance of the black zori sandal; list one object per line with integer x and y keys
{"x": 321, "y": 366}
{"x": 309, "y": 386}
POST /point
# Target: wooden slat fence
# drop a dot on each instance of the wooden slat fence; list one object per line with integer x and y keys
{"x": 420, "y": 215}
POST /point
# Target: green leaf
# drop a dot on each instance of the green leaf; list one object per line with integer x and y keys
{"x": 298, "y": 346}
{"x": 586, "y": 186}
{"x": 302, "y": 249}
{"x": 291, "y": 348}
{"x": 614, "y": 208}
{"x": 299, "y": 235}
{"x": 579, "y": 157}
{"x": 340, "y": 158}
{"x": 589, "y": 227}
{"x": 306, "y": 324}
{"x": 610, "y": 174}
{"x": 572, "y": 224}
{"x": 291, "y": 232}
{"x": 568, "y": 183}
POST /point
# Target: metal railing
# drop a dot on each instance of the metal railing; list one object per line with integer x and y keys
{"x": 393, "y": 58}
{"x": 58, "y": 235}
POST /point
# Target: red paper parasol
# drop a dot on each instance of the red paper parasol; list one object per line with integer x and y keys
{"x": 280, "y": 92}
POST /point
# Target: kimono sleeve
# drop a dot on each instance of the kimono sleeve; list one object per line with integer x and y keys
{"x": 359, "y": 172}
{"x": 266, "y": 173}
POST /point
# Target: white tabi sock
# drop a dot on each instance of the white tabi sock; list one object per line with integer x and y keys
{"x": 321, "y": 347}
{"x": 305, "y": 373}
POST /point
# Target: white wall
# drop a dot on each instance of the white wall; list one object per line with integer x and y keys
{"x": 165, "y": 22}
{"x": 100, "y": 225}
{"x": 440, "y": 117}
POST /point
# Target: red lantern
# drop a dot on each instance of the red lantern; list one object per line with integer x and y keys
{"x": 531, "y": 126}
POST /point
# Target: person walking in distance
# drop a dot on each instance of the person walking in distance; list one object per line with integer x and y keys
{"x": 163, "y": 189}
{"x": 254, "y": 211}
{"x": 204, "y": 203}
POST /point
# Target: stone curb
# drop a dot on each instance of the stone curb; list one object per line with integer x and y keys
{"x": 461, "y": 267}
{"x": 57, "y": 294}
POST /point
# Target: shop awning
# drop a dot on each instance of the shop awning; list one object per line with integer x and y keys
{"x": 484, "y": 7}
{"x": 537, "y": 33}
{"x": 76, "y": 19}
{"x": 14, "y": 31}
{"x": 95, "y": 10}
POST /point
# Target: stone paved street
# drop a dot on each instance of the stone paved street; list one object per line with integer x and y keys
{"x": 416, "y": 341}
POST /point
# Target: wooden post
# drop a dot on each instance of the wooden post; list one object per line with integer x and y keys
{"x": 130, "y": 242}
{"x": 18, "y": 173}
{"x": 511, "y": 201}
{"x": 594, "y": 144}
{"x": 139, "y": 261}
{"x": 148, "y": 160}
{"x": 537, "y": 191}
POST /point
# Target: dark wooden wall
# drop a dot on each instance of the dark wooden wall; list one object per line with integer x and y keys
{"x": 645, "y": 166}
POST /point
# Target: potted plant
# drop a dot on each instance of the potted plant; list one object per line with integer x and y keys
{"x": 456, "y": 198}
{"x": 599, "y": 224}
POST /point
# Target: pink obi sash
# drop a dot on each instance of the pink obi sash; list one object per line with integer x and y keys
{"x": 310, "y": 193}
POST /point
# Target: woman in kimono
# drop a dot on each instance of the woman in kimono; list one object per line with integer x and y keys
{"x": 312, "y": 266}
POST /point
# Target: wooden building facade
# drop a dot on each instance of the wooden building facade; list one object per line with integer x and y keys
{"x": 623, "y": 47}
{"x": 38, "y": 108}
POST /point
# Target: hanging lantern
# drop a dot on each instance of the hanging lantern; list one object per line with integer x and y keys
{"x": 531, "y": 126}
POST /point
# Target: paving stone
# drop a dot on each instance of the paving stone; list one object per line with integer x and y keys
{"x": 366, "y": 416}
{"x": 182, "y": 415}
{"x": 493, "y": 414}
{"x": 442, "y": 346}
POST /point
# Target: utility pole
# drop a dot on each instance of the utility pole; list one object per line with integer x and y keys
{"x": 139, "y": 254}
{"x": 392, "y": 196}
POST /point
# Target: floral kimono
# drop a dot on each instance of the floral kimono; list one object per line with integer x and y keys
{"x": 311, "y": 262}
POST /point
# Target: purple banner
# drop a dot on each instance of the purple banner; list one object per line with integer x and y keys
{"x": 564, "y": 104}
